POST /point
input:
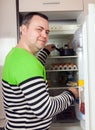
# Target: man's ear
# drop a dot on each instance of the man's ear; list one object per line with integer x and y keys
{"x": 23, "y": 29}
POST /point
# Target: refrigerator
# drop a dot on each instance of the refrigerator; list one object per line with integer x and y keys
{"x": 84, "y": 44}
{"x": 65, "y": 69}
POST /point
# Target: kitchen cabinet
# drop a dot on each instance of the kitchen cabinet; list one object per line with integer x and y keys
{"x": 54, "y": 9}
{"x": 50, "y": 5}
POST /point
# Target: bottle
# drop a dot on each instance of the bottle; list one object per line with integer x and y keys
{"x": 70, "y": 77}
{"x": 82, "y": 108}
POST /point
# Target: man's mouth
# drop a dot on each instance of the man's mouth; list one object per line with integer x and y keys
{"x": 44, "y": 41}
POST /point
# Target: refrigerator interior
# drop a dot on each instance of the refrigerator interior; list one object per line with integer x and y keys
{"x": 66, "y": 33}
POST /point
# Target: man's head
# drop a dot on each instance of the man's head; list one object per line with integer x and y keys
{"x": 34, "y": 31}
{"x": 26, "y": 18}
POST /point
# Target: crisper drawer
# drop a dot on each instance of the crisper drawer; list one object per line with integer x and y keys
{"x": 50, "y": 5}
{"x": 66, "y": 126}
{"x": 67, "y": 116}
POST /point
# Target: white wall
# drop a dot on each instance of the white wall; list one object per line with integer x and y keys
{"x": 7, "y": 27}
{"x": 8, "y": 38}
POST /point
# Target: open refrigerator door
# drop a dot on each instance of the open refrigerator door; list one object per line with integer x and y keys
{"x": 87, "y": 92}
{"x": 89, "y": 89}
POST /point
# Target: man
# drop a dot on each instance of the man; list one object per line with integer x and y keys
{"x": 27, "y": 102}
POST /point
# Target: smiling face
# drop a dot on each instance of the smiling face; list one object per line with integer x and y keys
{"x": 35, "y": 35}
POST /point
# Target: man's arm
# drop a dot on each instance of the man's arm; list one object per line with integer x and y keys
{"x": 43, "y": 53}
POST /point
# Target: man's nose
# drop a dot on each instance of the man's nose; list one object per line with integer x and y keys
{"x": 44, "y": 34}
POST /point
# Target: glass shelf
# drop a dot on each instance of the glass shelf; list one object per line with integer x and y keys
{"x": 62, "y": 56}
{"x": 61, "y": 88}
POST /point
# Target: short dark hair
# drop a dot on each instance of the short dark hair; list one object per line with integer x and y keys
{"x": 26, "y": 18}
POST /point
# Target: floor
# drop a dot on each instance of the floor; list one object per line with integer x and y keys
{"x": 2, "y": 123}
{"x": 1, "y": 128}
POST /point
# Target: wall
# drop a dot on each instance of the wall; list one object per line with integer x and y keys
{"x": 7, "y": 27}
{"x": 8, "y": 38}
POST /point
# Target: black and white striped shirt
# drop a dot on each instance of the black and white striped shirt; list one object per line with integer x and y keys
{"x": 32, "y": 108}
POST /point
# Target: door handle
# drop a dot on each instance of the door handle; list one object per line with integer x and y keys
{"x": 49, "y": 3}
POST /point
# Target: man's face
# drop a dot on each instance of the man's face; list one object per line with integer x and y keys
{"x": 36, "y": 34}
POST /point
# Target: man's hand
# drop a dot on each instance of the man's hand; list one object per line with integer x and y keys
{"x": 74, "y": 91}
{"x": 50, "y": 47}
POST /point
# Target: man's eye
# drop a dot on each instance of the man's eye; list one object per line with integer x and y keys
{"x": 39, "y": 29}
{"x": 47, "y": 32}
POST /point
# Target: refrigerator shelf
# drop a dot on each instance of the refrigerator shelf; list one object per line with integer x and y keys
{"x": 59, "y": 57}
{"x": 61, "y": 70}
{"x": 60, "y": 88}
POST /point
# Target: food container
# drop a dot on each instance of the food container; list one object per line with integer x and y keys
{"x": 65, "y": 51}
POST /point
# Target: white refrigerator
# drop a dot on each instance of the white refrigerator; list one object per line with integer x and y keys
{"x": 86, "y": 63}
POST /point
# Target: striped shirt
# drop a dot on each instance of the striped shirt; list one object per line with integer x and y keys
{"x": 27, "y": 103}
